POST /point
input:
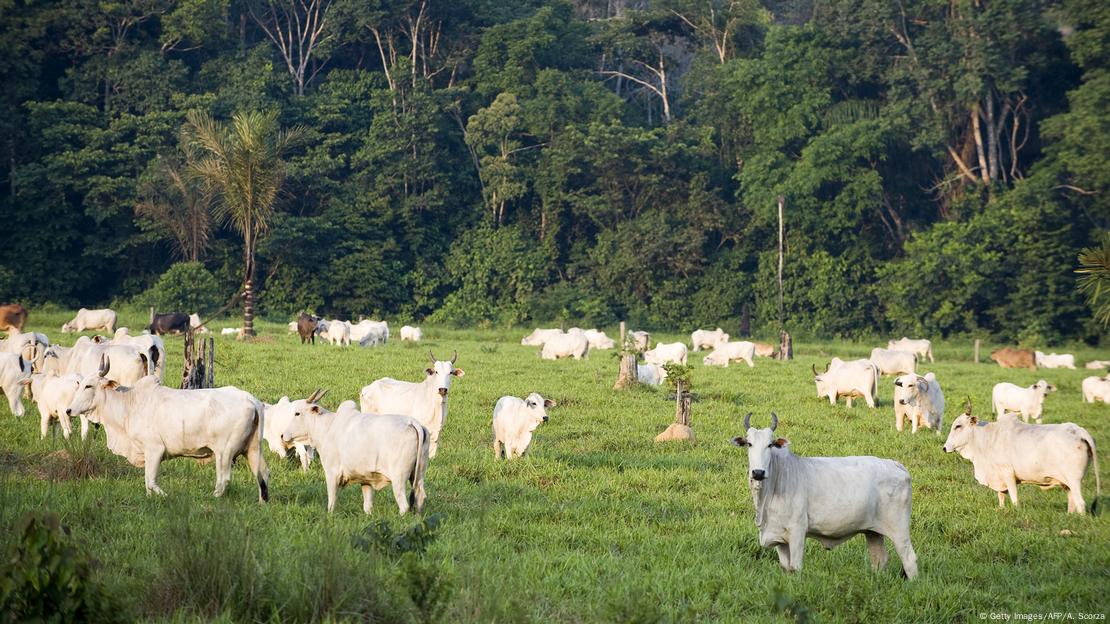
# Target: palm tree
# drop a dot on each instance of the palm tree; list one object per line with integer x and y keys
{"x": 242, "y": 164}
{"x": 177, "y": 210}
{"x": 1094, "y": 266}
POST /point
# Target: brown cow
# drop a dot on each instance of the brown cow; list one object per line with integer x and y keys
{"x": 306, "y": 327}
{"x": 12, "y": 316}
{"x": 1014, "y": 358}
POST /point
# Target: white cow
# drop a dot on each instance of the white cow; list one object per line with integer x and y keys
{"x": 277, "y": 421}
{"x": 853, "y": 379}
{"x": 831, "y": 499}
{"x": 514, "y": 420}
{"x": 921, "y": 348}
{"x": 1096, "y": 389}
{"x": 730, "y": 352}
{"x": 103, "y": 319}
{"x": 128, "y": 363}
{"x": 150, "y": 344}
{"x": 708, "y": 339}
{"x": 369, "y": 449}
{"x": 598, "y": 340}
{"x": 15, "y": 374}
{"x": 292, "y": 327}
{"x": 231, "y": 331}
{"x": 411, "y": 334}
{"x": 641, "y": 340}
{"x": 426, "y": 401}
{"x": 651, "y": 374}
{"x": 31, "y": 345}
{"x": 1054, "y": 360}
{"x": 194, "y": 322}
{"x": 1009, "y": 452}
{"x": 565, "y": 345}
{"x": 148, "y": 422}
{"x": 539, "y": 336}
{"x": 368, "y": 333}
{"x": 52, "y": 394}
{"x": 894, "y": 362}
{"x": 337, "y": 333}
{"x": 1097, "y": 364}
{"x": 763, "y": 349}
{"x": 664, "y": 353}
{"x": 921, "y": 399}
{"x": 1029, "y": 402}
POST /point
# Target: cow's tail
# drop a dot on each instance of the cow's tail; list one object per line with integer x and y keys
{"x": 417, "y": 479}
{"x": 255, "y": 458}
{"x": 1094, "y": 459}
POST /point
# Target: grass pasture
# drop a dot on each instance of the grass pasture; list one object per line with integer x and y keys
{"x": 597, "y": 523}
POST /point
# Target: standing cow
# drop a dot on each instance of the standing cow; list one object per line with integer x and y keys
{"x": 306, "y": 327}
{"x": 921, "y": 399}
{"x": 921, "y": 348}
{"x": 852, "y": 380}
{"x": 426, "y": 401}
{"x": 12, "y": 316}
{"x": 1096, "y": 389}
{"x": 708, "y": 339}
{"x": 894, "y": 362}
{"x": 411, "y": 334}
{"x": 1006, "y": 453}
{"x": 15, "y": 375}
{"x": 169, "y": 323}
{"x": 1029, "y": 402}
{"x": 277, "y": 421}
{"x": 1054, "y": 360}
{"x": 574, "y": 345}
{"x": 831, "y": 499}
{"x": 514, "y": 420}
{"x": 103, "y": 319}
{"x": 665, "y": 353}
{"x": 52, "y": 394}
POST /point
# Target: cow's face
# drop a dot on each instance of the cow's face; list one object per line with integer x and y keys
{"x": 912, "y": 386}
{"x": 84, "y": 400}
{"x": 442, "y": 372}
{"x": 297, "y": 429}
{"x": 1044, "y": 386}
{"x": 822, "y": 385}
{"x": 538, "y": 405}
{"x": 759, "y": 443}
{"x": 66, "y": 328}
{"x": 960, "y": 434}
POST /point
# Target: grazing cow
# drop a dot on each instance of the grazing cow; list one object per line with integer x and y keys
{"x": 1097, "y": 364}
{"x": 195, "y": 323}
{"x": 539, "y": 336}
{"x": 277, "y": 421}
{"x": 831, "y": 499}
{"x": 565, "y": 345}
{"x": 1009, "y": 452}
{"x": 854, "y": 379}
{"x": 369, "y": 333}
{"x": 763, "y": 349}
{"x": 708, "y": 339}
{"x": 369, "y": 449}
{"x": 169, "y": 323}
{"x": 426, "y": 401}
{"x": 15, "y": 375}
{"x": 1054, "y": 360}
{"x": 514, "y": 420}
{"x": 148, "y": 422}
{"x": 641, "y": 340}
{"x": 1096, "y": 389}
{"x": 1029, "y": 402}
{"x": 235, "y": 331}
{"x": 53, "y": 394}
{"x": 12, "y": 316}
{"x": 921, "y": 399}
{"x": 651, "y": 374}
{"x": 664, "y": 353}
{"x": 337, "y": 333}
{"x": 894, "y": 362}
{"x": 730, "y": 352}
{"x": 102, "y": 319}
{"x": 306, "y": 327}
{"x": 1015, "y": 358}
{"x": 598, "y": 340}
{"x": 412, "y": 334}
{"x": 921, "y": 348}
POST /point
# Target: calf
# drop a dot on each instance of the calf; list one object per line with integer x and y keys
{"x": 371, "y": 450}
{"x": 1029, "y": 402}
{"x": 12, "y": 316}
{"x": 514, "y": 420}
{"x": 1096, "y": 389}
{"x": 921, "y": 399}
{"x": 1015, "y": 358}
{"x": 426, "y": 401}
{"x": 169, "y": 323}
{"x": 831, "y": 499}
{"x": 664, "y": 353}
{"x": 103, "y": 319}
{"x": 1006, "y": 453}
{"x": 278, "y": 417}
{"x": 52, "y": 394}
{"x": 15, "y": 375}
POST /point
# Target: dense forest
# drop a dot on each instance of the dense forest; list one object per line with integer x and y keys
{"x": 942, "y": 162}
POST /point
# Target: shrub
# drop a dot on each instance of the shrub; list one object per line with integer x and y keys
{"x": 48, "y": 579}
{"x": 185, "y": 287}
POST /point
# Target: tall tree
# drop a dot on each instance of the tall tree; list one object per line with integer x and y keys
{"x": 241, "y": 163}
{"x": 301, "y": 30}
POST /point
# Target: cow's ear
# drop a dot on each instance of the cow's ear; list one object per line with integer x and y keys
{"x": 922, "y": 385}
{"x": 781, "y": 442}
{"x": 111, "y": 384}
{"x": 315, "y": 409}
{"x": 974, "y": 420}
{"x": 739, "y": 441}
{"x": 458, "y": 372}
{"x": 898, "y": 383}
{"x": 549, "y": 403}
{"x": 430, "y": 371}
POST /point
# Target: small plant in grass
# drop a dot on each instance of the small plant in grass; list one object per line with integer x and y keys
{"x": 429, "y": 587}
{"x": 48, "y": 579}
{"x": 415, "y": 539}
{"x": 790, "y": 607}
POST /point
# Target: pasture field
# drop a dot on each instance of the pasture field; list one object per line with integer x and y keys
{"x": 597, "y": 523}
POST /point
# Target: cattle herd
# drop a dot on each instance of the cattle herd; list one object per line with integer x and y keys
{"x": 395, "y": 429}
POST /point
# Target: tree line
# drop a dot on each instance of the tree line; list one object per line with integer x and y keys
{"x": 475, "y": 161}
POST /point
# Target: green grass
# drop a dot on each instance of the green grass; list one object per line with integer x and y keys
{"x": 597, "y": 523}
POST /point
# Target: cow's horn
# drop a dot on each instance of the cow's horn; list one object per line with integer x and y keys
{"x": 320, "y": 394}
{"x": 774, "y": 421}
{"x": 454, "y": 357}
{"x": 313, "y": 397}
{"x": 748, "y": 421}
{"x": 105, "y": 365}
{"x": 814, "y": 367}
{"x": 432, "y": 355}
{"x": 827, "y": 366}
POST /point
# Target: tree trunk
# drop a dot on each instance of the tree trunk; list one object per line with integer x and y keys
{"x": 984, "y": 171}
{"x": 682, "y": 405}
{"x": 248, "y": 307}
{"x": 786, "y": 346}
{"x": 199, "y": 370}
{"x": 627, "y": 377}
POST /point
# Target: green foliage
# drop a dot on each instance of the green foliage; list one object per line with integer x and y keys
{"x": 185, "y": 287}
{"x": 48, "y": 579}
{"x": 677, "y": 373}
{"x": 381, "y": 537}
{"x": 1094, "y": 266}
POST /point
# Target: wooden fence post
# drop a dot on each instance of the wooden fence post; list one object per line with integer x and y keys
{"x": 681, "y": 405}
{"x": 622, "y": 334}
{"x": 976, "y": 350}
{"x": 627, "y": 377}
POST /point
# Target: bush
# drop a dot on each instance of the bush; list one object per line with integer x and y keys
{"x": 185, "y": 287}
{"x": 47, "y": 579}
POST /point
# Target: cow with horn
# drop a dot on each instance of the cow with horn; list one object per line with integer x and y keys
{"x": 830, "y": 499}
{"x": 426, "y": 400}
